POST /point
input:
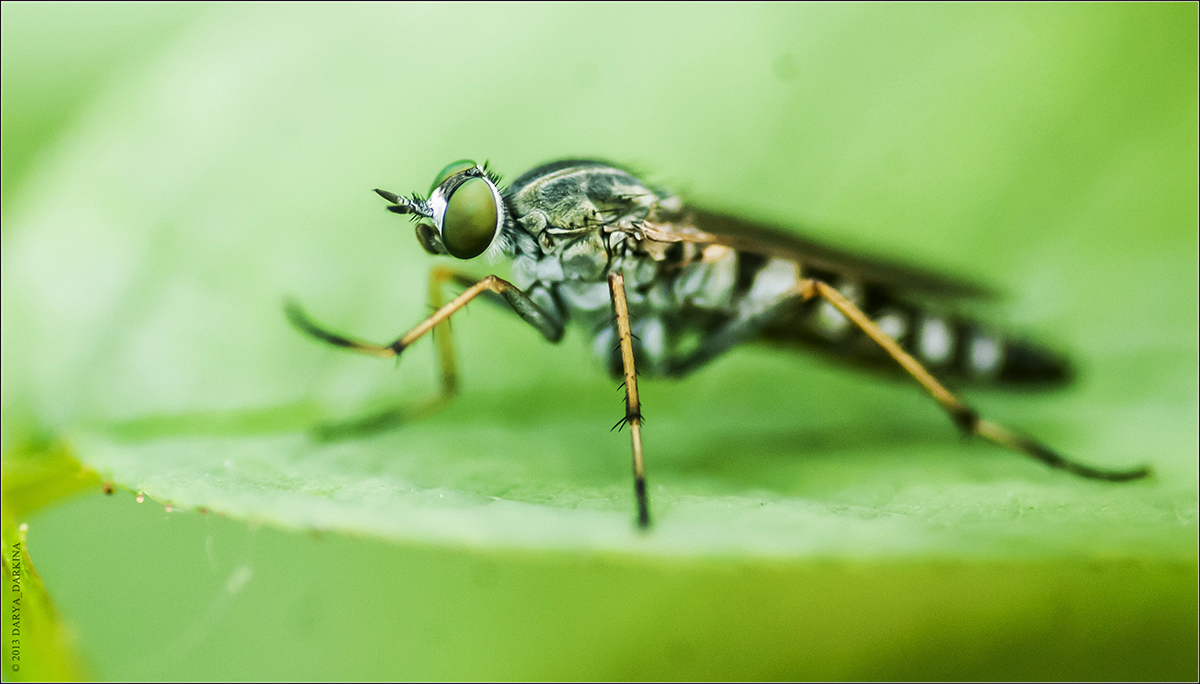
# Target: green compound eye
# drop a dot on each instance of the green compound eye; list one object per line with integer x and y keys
{"x": 470, "y": 222}
{"x": 456, "y": 167}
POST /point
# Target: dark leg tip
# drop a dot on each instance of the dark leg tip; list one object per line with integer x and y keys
{"x": 643, "y": 505}
{"x": 299, "y": 320}
{"x": 643, "y": 522}
{"x": 295, "y": 315}
{"x": 1123, "y": 475}
{"x": 1055, "y": 460}
{"x": 358, "y": 428}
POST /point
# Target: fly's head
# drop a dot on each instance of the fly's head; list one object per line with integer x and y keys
{"x": 465, "y": 215}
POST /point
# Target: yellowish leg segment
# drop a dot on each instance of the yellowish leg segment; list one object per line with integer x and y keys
{"x": 439, "y": 322}
{"x": 966, "y": 417}
{"x": 633, "y": 406}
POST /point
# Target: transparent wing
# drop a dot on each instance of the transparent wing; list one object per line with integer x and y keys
{"x": 707, "y": 227}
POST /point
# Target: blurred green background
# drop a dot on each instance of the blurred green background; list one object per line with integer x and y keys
{"x": 171, "y": 173}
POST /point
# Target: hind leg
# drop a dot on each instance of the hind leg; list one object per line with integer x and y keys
{"x": 962, "y": 414}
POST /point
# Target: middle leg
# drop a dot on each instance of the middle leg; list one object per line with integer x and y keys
{"x": 633, "y": 406}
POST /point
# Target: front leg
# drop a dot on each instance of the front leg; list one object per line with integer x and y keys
{"x": 550, "y": 327}
{"x": 520, "y": 302}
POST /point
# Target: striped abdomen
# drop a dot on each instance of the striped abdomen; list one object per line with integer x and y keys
{"x": 949, "y": 345}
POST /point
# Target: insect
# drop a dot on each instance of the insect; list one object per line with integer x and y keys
{"x": 664, "y": 288}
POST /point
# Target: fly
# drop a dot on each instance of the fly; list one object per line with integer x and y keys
{"x": 664, "y": 288}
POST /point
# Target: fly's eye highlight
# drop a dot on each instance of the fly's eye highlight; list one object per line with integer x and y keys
{"x": 471, "y": 219}
{"x": 451, "y": 169}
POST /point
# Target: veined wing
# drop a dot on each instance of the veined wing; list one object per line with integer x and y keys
{"x": 706, "y": 227}
{"x": 898, "y": 298}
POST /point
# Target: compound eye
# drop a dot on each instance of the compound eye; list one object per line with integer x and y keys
{"x": 471, "y": 220}
{"x": 456, "y": 167}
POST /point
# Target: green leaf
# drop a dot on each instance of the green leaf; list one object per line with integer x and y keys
{"x": 39, "y": 644}
{"x": 1047, "y": 150}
